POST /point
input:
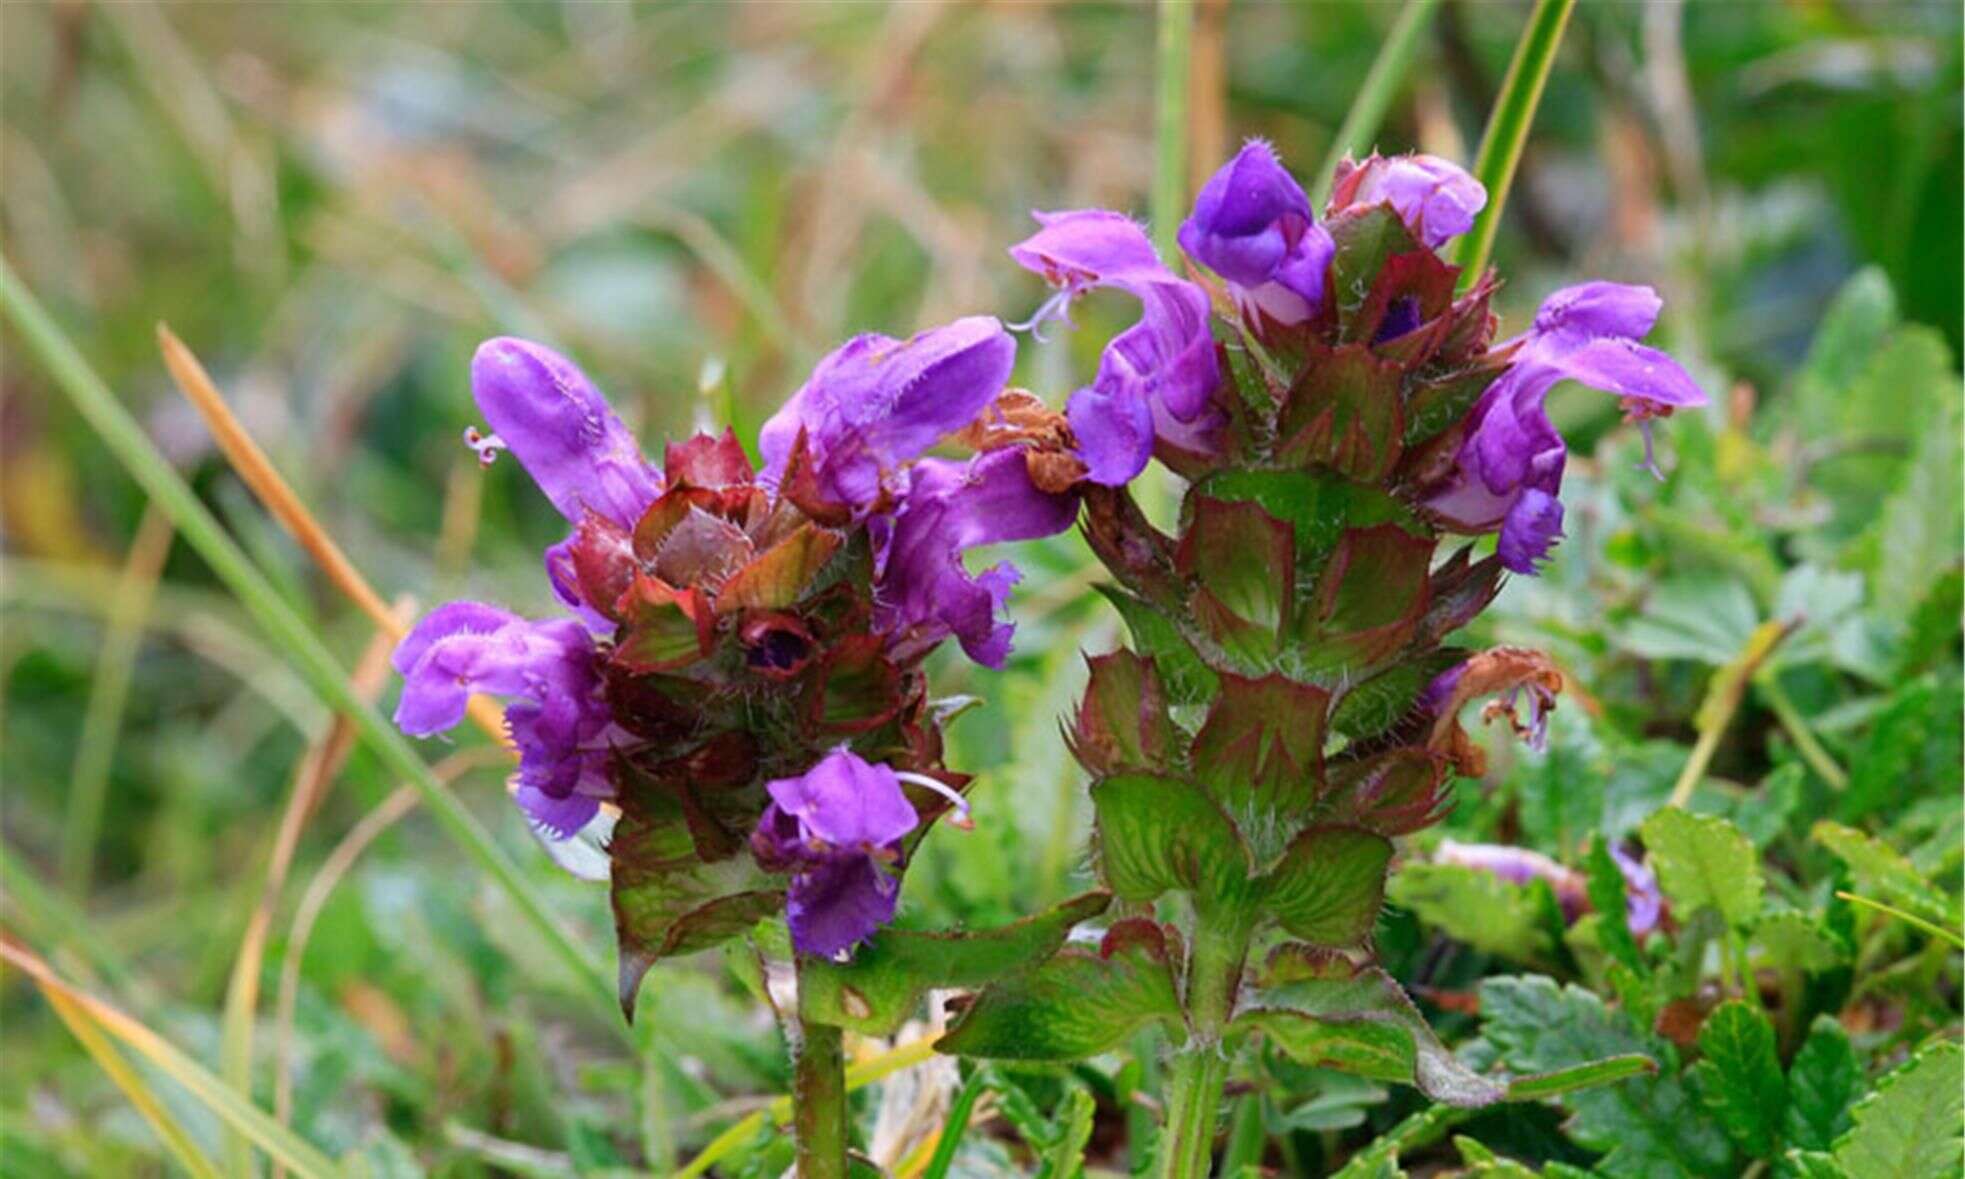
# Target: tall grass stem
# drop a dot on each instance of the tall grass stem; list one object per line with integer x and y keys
{"x": 1507, "y": 127}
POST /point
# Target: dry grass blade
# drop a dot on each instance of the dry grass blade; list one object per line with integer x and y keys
{"x": 95, "y": 751}
{"x": 174, "y": 1136}
{"x": 273, "y": 491}
{"x": 235, "y": 1110}
{"x": 317, "y": 769}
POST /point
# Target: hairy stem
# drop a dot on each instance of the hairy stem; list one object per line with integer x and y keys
{"x": 819, "y": 1097}
{"x": 1214, "y": 973}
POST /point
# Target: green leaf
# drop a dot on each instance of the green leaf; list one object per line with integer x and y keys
{"x": 1365, "y": 1025}
{"x": 1186, "y": 678}
{"x": 1813, "y": 1164}
{"x": 1577, "y": 1078}
{"x": 1914, "y": 749}
{"x": 1371, "y": 706}
{"x": 1074, "y": 1127}
{"x": 1702, "y": 619}
{"x": 1823, "y": 1083}
{"x": 1910, "y": 1127}
{"x": 1740, "y": 1077}
{"x": 1475, "y": 907}
{"x": 1157, "y": 835}
{"x": 1078, "y": 1004}
{"x": 1704, "y": 861}
{"x": 1852, "y": 330}
{"x": 1318, "y": 505}
{"x": 1365, "y": 239}
{"x": 1647, "y": 1125}
{"x": 881, "y": 986}
{"x": 1329, "y": 885}
{"x": 1368, "y": 600}
{"x": 1880, "y": 868}
{"x": 1792, "y": 940}
{"x": 1482, "y": 1161}
{"x": 1914, "y": 538}
{"x": 666, "y": 902}
{"x": 1122, "y": 721}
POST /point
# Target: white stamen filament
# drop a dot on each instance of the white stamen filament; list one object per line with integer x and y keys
{"x": 961, "y": 817}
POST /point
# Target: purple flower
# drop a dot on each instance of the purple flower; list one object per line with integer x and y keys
{"x": 837, "y": 828}
{"x": 1508, "y": 472}
{"x": 1253, "y": 226}
{"x": 1642, "y": 901}
{"x": 559, "y": 427}
{"x": 876, "y": 403}
{"x": 1436, "y": 199}
{"x": 546, "y": 670}
{"x": 924, "y": 593}
{"x": 1159, "y": 372}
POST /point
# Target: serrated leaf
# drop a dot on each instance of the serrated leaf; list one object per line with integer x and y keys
{"x": 1122, "y": 721}
{"x": 879, "y": 988}
{"x": 1365, "y": 1025}
{"x": 1078, "y": 1004}
{"x": 1880, "y": 868}
{"x": 1475, "y": 907}
{"x": 1910, "y": 1127}
{"x": 1343, "y": 413}
{"x": 1792, "y": 940}
{"x": 1739, "y": 1077}
{"x": 1329, "y": 885}
{"x": 1368, "y": 600}
{"x": 1823, "y": 1083}
{"x": 1647, "y": 1125}
{"x": 1703, "y": 861}
{"x": 1157, "y": 835}
{"x": 1260, "y": 753}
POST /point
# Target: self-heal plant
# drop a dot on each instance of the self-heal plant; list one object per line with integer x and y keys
{"x": 737, "y": 679}
{"x": 1291, "y": 698}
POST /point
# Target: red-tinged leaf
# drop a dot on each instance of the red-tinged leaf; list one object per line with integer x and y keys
{"x": 1365, "y": 240}
{"x": 1242, "y": 557}
{"x": 1470, "y": 324}
{"x": 779, "y": 576}
{"x": 603, "y": 558}
{"x": 1158, "y": 834}
{"x": 1418, "y": 284}
{"x": 856, "y": 687}
{"x": 1395, "y": 792}
{"x": 1437, "y": 404}
{"x": 1260, "y": 754}
{"x": 1369, "y": 599}
{"x": 1343, "y": 413}
{"x": 702, "y": 550}
{"x": 663, "y": 628}
{"x": 1075, "y": 1005}
{"x": 707, "y": 460}
{"x": 1122, "y": 721}
{"x": 800, "y": 485}
{"x": 1461, "y": 588}
{"x": 1138, "y": 554}
{"x": 658, "y": 708}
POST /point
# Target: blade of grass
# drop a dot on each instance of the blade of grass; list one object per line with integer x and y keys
{"x": 1388, "y": 73}
{"x": 954, "y": 1127}
{"x": 1507, "y": 127}
{"x": 59, "y": 921}
{"x": 1724, "y": 692}
{"x": 291, "y": 636}
{"x": 272, "y": 490}
{"x": 276, "y": 1140}
{"x": 1935, "y": 930}
{"x": 1169, "y": 196}
{"x": 102, "y": 722}
{"x": 315, "y": 771}
{"x": 176, "y": 1139}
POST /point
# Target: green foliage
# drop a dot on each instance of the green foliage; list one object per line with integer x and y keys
{"x": 1739, "y": 1077}
{"x": 1704, "y": 862}
{"x": 1824, "y": 1081}
{"x": 1910, "y": 1126}
{"x": 1074, "y": 1005}
{"x": 1478, "y": 908}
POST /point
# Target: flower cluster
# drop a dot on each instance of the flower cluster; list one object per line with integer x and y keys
{"x": 738, "y": 670}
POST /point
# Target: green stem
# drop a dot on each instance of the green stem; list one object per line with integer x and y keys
{"x": 289, "y": 633}
{"x": 819, "y": 1098}
{"x": 1388, "y": 73}
{"x": 1176, "y": 35}
{"x": 1214, "y": 974}
{"x": 1507, "y": 127}
{"x": 1818, "y": 758}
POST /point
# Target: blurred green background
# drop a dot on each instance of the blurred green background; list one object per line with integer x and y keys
{"x": 332, "y": 204}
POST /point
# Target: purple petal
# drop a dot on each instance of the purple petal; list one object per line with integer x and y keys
{"x": 1253, "y": 226}
{"x": 1079, "y": 249}
{"x": 562, "y": 431}
{"x": 1642, "y": 900}
{"x": 1114, "y": 431}
{"x": 876, "y": 403}
{"x": 835, "y": 905}
{"x": 1435, "y": 198}
{"x": 846, "y": 802}
{"x": 1590, "y": 310}
{"x": 924, "y": 592}
{"x": 557, "y": 818}
{"x": 1629, "y": 369}
{"x": 1531, "y": 529}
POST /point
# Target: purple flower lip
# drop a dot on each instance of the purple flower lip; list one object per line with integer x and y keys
{"x": 1156, "y": 379}
{"x": 1436, "y": 198}
{"x": 837, "y": 828}
{"x": 1508, "y": 471}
